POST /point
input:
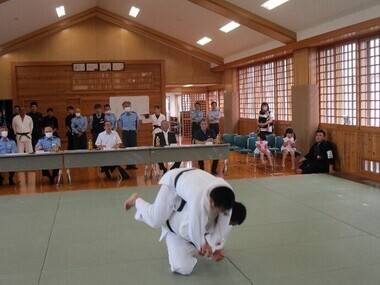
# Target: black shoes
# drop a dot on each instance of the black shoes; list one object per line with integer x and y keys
{"x": 129, "y": 167}
{"x": 123, "y": 173}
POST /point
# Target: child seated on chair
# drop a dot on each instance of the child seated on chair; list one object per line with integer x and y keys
{"x": 288, "y": 147}
{"x": 262, "y": 149}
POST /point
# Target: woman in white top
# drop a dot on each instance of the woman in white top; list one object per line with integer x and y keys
{"x": 157, "y": 119}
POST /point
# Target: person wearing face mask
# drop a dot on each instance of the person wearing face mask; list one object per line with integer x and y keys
{"x": 97, "y": 123}
{"x": 78, "y": 127}
{"x": 129, "y": 123}
{"x": 49, "y": 142}
{"x": 110, "y": 117}
{"x": 6, "y": 146}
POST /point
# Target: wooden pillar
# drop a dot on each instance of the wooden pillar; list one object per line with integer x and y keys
{"x": 305, "y": 98}
{"x": 231, "y": 102}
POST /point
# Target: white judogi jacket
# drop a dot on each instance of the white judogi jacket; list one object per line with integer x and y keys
{"x": 197, "y": 223}
{"x": 157, "y": 122}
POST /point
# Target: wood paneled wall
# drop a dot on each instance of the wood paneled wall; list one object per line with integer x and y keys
{"x": 96, "y": 40}
{"x": 353, "y": 146}
{"x": 54, "y": 84}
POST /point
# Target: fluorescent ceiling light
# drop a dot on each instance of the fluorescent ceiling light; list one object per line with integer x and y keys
{"x": 60, "y": 11}
{"x": 204, "y": 41}
{"x": 187, "y": 85}
{"x": 229, "y": 27}
{"x": 134, "y": 11}
{"x": 271, "y": 4}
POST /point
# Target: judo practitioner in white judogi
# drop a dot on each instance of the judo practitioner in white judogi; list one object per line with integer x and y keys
{"x": 181, "y": 248}
{"x": 207, "y": 199}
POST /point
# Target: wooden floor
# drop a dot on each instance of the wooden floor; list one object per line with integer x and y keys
{"x": 239, "y": 166}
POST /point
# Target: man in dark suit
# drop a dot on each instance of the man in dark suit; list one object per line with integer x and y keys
{"x": 165, "y": 138}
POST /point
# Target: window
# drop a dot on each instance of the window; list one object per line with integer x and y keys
{"x": 349, "y": 83}
{"x": 370, "y": 82}
{"x": 337, "y": 83}
{"x": 269, "y": 82}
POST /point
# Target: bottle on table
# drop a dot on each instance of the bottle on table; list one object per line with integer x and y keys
{"x": 89, "y": 144}
{"x": 157, "y": 142}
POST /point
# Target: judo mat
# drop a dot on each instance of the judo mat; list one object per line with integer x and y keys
{"x": 305, "y": 229}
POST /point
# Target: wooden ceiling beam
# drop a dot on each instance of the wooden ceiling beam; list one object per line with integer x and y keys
{"x": 248, "y": 19}
{"x": 157, "y": 36}
{"x": 46, "y": 31}
{"x": 116, "y": 20}
{"x": 363, "y": 29}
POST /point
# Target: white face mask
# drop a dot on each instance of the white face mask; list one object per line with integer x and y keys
{"x": 108, "y": 112}
{"x": 77, "y": 114}
{"x": 4, "y": 134}
{"x": 127, "y": 109}
{"x": 49, "y": 134}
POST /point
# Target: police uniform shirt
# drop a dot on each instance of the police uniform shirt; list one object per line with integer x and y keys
{"x": 196, "y": 116}
{"x": 214, "y": 116}
{"x": 7, "y": 146}
{"x": 111, "y": 117}
{"x": 129, "y": 121}
{"x": 48, "y": 143}
{"x": 78, "y": 124}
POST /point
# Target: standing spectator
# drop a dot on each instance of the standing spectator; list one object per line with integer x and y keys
{"x": 213, "y": 117}
{"x": 97, "y": 123}
{"x": 265, "y": 119}
{"x": 37, "y": 122}
{"x": 157, "y": 119}
{"x": 110, "y": 117}
{"x": 166, "y": 138}
{"x": 48, "y": 143}
{"x": 22, "y": 125}
{"x": 196, "y": 117}
{"x": 79, "y": 126}
{"x": 206, "y": 136}
{"x": 129, "y": 123}
{"x": 69, "y": 133}
{"x": 2, "y": 119}
{"x": 50, "y": 121}
{"x": 320, "y": 158}
{"x": 11, "y": 132}
{"x": 6, "y": 146}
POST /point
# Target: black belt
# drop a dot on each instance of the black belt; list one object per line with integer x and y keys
{"x": 23, "y": 134}
{"x": 156, "y": 127}
{"x": 129, "y": 130}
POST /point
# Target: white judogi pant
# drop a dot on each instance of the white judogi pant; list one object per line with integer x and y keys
{"x": 156, "y": 214}
{"x": 180, "y": 251}
{"x": 24, "y": 144}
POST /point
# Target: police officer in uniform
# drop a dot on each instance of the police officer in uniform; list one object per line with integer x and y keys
{"x": 97, "y": 123}
{"x": 129, "y": 123}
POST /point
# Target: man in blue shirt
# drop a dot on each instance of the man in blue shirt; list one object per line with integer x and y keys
{"x": 204, "y": 136}
{"x": 78, "y": 127}
{"x": 6, "y": 146}
{"x": 129, "y": 123}
{"x": 196, "y": 117}
{"x": 110, "y": 117}
{"x": 213, "y": 117}
{"x": 49, "y": 143}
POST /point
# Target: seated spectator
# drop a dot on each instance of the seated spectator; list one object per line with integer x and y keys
{"x": 206, "y": 136}
{"x": 320, "y": 158}
{"x": 110, "y": 139}
{"x": 289, "y": 147}
{"x": 49, "y": 143}
{"x": 165, "y": 138}
{"x": 262, "y": 149}
{"x": 6, "y": 146}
